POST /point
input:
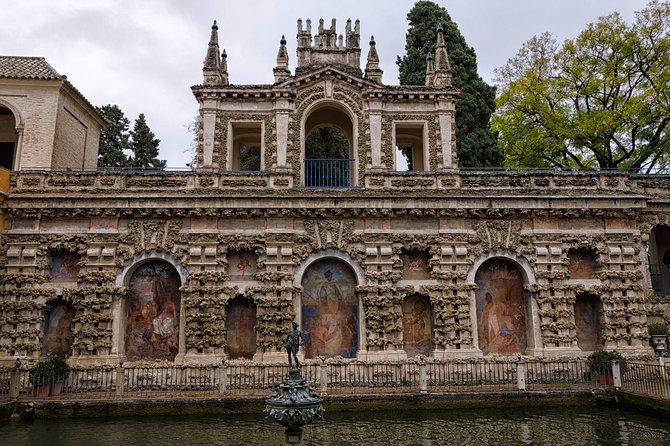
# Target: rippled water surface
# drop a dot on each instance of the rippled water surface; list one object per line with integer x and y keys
{"x": 539, "y": 426}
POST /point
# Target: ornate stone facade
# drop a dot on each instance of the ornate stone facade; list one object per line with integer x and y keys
{"x": 422, "y": 250}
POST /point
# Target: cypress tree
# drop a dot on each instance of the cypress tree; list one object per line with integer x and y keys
{"x": 144, "y": 146}
{"x": 114, "y": 137}
{"x": 477, "y": 144}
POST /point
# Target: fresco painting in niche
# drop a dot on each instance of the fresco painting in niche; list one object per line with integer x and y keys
{"x": 64, "y": 266}
{"x": 581, "y": 264}
{"x": 242, "y": 265}
{"x": 59, "y": 332}
{"x": 152, "y": 330}
{"x": 241, "y": 328}
{"x": 501, "y": 315}
{"x": 587, "y": 321}
{"x": 330, "y": 310}
{"x": 415, "y": 265}
{"x": 417, "y": 326}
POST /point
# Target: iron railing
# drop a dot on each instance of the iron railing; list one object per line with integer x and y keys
{"x": 337, "y": 377}
{"x": 328, "y": 172}
{"x": 660, "y": 278}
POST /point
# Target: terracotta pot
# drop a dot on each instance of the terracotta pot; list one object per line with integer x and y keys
{"x": 41, "y": 391}
{"x": 606, "y": 379}
{"x": 57, "y": 388}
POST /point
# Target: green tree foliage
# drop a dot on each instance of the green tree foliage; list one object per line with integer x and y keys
{"x": 144, "y": 145}
{"x": 114, "y": 138}
{"x": 326, "y": 143}
{"x": 601, "y": 100}
{"x": 476, "y": 143}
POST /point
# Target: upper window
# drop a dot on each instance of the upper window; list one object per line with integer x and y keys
{"x": 247, "y": 154}
{"x": 410, "y": 147}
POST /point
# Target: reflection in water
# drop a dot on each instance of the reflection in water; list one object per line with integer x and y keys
{"x": 539, "y": 426}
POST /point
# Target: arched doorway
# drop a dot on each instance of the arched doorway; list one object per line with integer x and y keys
{"x": 330, "y": 316}
{"x": 587, "y": 322}
{"x": 58, "y": 329}
{"x": 328, "y": 147}
{"x": 417, "y": 325}
{"x": 9, "y": 138}
{"x": 152, "y": 311}
{"x": 501, "y": 306}
{"x": 241, "y": 328}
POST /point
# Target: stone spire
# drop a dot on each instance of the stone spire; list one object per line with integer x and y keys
{"x": 441, "y": 75}
{"x": 430, "y": 69}
{"x": 281, "y": 71}
{"x": 224, "y": 67}
{"x": 214, "y": 69}
{"x": 372, "y": 70}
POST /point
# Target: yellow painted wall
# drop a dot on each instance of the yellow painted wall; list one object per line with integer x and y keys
{"x": 4, "y": 188}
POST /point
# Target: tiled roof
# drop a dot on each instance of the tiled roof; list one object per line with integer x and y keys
{"x": 27, "y": 68}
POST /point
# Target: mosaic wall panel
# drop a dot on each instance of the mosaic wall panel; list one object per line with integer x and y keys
{"x": 64, "y": 266}
{"x": 330, "y": 310}
{"x": 152, "y": 306}
{"x": 417, "y": 326}
{"x": 242, "y": 265}
{"x": 415, "y": 265}
{"x": 581, "y": 264}
{"x": 241, "y": 328}
{"x": 501, "y": 315}
{"x": 59, "y": 330}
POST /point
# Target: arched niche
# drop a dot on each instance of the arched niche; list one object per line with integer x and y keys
{"x": 588, "y": 309}
{"x": 659, "y": 259}
{"x": 336, "y": 170}
{"x": 9, "y": 136}
{"x": 58, "y": 328}
{"x": 241, "y": 328}
{"x": 330, "y": 309}
{"x": 581, "y": 263}
{"x": 150, "y": 317}
{"x": 505, "y": 314}
{"x": 417, "y": 325}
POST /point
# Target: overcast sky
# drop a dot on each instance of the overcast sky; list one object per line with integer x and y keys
{"x": 144, "y": 55}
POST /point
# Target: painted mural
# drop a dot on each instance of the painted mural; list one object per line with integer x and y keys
{"x": 330, "y": 310}
{"x": 587, "y": 321}
{"x": 241, "y": 328}
{"x": 242, "y": 265}
{"x": 417, "y": 326}
{"x": 59, "y": 330}
{"x": 152, "y": 306}
{"x": 581, "y": 264}
{"x": 64, "y": 266}
{"x": 415, "y": 265}
{"x": 501, "y": 315}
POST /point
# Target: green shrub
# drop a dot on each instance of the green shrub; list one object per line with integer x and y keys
{"x": 600, "y": 361}
{"x": 49, "y": 370}
{"x": 657, "y": 328}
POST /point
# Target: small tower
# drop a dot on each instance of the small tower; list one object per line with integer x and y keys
{"x": 282, "y": 71}
{"x": 372, "y": 70}
{"x": 214, "y": 69}
{"x": 440, "y": 75}
{"x": 329, "y": 48}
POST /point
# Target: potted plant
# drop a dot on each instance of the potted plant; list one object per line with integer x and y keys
{"x": 61, "y": 371}
{"x": 41, "y": 376}
{"x": 48, "y": 376}
{"x": 600, "y": 362}
{"x": 658, "y": 333}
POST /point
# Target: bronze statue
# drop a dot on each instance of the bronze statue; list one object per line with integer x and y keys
{"x": 293, "y": 342}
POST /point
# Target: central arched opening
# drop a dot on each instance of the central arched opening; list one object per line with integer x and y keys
{"x": 502, "y": 308}
{"x": 152, "y": 311}
{"x": 329, "y": 310}
{"x": 329, "y": 142}
{"x": 9, "y": 138}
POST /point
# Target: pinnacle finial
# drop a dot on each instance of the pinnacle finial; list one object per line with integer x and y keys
{"x": 429, "y": 56}
{"x": 283, "y": 40}
{"x": 223, "y": 54}
{"x": 215, "y": 26}
{"x": 372, "y": 41}
{"x": 440, "y": 28}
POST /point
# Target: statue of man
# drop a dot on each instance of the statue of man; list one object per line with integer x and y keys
{"x": 293, "y": 342}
